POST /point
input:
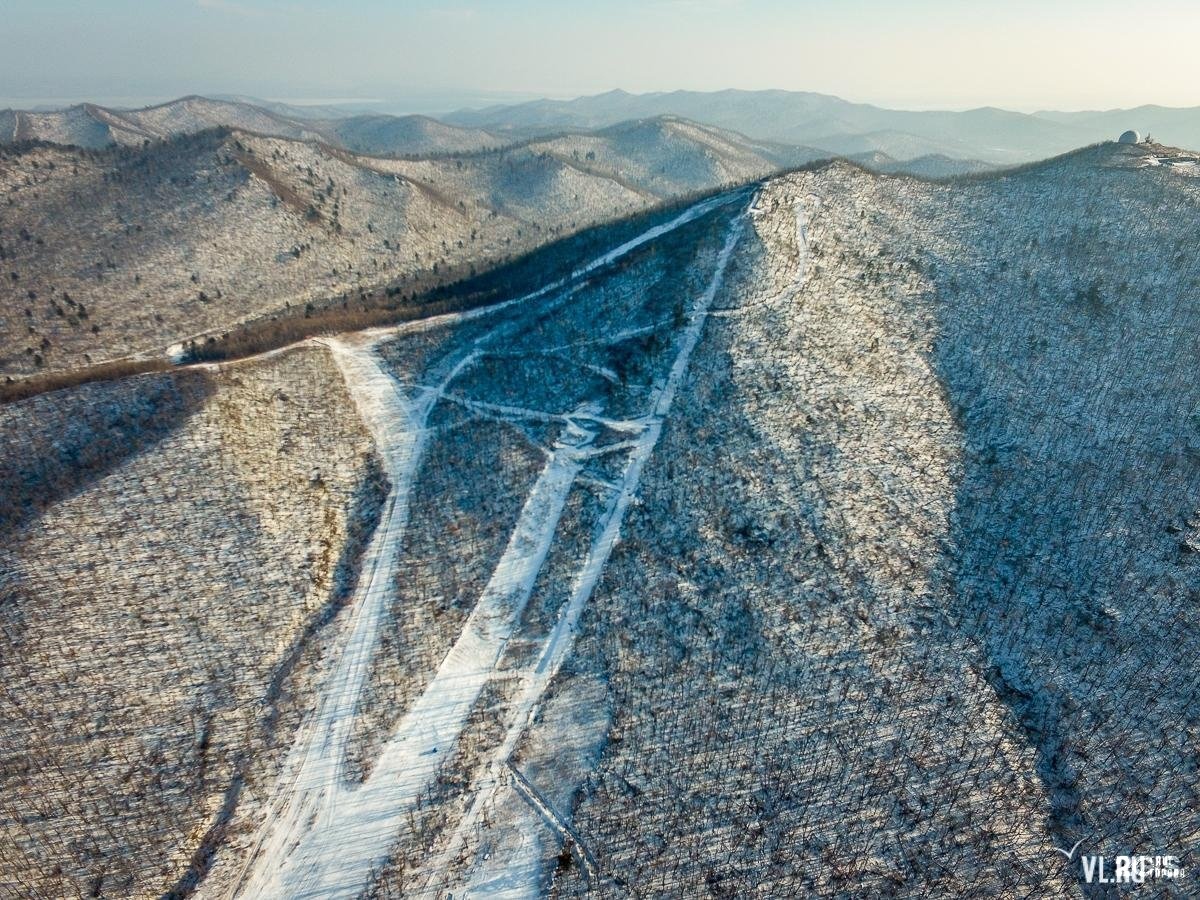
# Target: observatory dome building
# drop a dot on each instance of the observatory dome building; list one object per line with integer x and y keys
{"x": 1130, "y": 137}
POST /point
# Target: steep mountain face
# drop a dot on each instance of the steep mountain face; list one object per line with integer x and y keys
{"x": 835, "y": 535}
{"x": 128, "y": 251}
{"x": 914, "y": 547}
{"x": 836, "y": 126}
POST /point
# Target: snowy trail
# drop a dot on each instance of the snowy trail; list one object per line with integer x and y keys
{"x": 802, "y": 249}
{"x": 803, "y": 252}
{"x": 323, "y": 837}
{"x": 337, "y": 852}
{"x": 314, "y": 768}
{"x": 521, "y": 880}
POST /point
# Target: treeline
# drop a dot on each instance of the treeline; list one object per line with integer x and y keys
{"x": 14, "y": 389}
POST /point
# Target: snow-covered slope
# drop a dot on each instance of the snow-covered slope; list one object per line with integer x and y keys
{"x": 129, "y": 251}
{"x": 804, "y": 119}
{"x": 833, "y": 536}
{"x": 666, "y": 156}
{"x": 920, "y": 536}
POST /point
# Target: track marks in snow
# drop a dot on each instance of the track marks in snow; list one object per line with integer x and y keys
{"x": 313, "y": 779}
{"x": 323, "y": 836}
{"x": 346, "y": 840}
{"x": 521, "y": 880}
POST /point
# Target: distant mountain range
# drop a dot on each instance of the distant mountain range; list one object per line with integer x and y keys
{"x": 617, "y": 148}
{"x": 837, "y": 126}
{"x": 91, "y": 126}
{"x": 808, "y": 125}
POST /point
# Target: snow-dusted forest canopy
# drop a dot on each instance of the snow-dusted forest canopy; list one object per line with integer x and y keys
{"x": 636, "y": 511}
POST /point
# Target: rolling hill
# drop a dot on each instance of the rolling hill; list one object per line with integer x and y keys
{"x": 806, "y": 122}
{"x": 93, "y": 127}
{"x": 128, "y": 250}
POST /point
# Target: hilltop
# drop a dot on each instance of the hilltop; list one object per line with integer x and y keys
{"x": 93, "y": 127}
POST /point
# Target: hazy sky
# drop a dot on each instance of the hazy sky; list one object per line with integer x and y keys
{"x": 1023, "y": 54}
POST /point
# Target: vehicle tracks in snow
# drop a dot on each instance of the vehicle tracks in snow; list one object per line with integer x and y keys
{"x": 493, "y": 775}
{"x": 323, "y": 836}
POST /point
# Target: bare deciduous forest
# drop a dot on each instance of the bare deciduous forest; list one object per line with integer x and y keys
{"x": 832, "y": 535}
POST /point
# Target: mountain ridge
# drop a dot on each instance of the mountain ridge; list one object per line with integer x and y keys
{"x": 822, "y": 123}
{"x": 92, "y": 126}
{"x": 830, "y": 123}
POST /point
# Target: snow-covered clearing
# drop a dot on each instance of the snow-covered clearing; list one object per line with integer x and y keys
{"x": 324, "y": 836}
{"x": 313, "y": 779}
{"x": 520, "y": 879}
{"x": 345, "y": 830}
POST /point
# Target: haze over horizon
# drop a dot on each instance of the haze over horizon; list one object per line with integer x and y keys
{"x": 427, "y": 57}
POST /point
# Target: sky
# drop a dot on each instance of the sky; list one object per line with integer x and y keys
{"x": 426, "y": 56}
